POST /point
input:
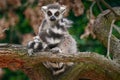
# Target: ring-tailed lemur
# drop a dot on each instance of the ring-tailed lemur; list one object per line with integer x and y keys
{"x": 53, "y": 35}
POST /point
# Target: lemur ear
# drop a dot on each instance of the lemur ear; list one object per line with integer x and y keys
{"x": 63, "y": 9}
{"x": 44, "y": 8}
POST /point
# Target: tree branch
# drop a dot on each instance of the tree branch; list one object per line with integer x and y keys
{"x": 98, "y": 4}
{"x": 102, "y": 28}
{"x": 116, "y": 28}
{"x": 109, "y": 36}
{"x": 15, "y": 57}
{"x": 109, "y": 7}
{"x": 91, "y": 9}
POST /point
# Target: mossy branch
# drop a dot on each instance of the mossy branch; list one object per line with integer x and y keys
{"x": 102, "y": 28}
{"x": 15, "y": 57}
{"x": 112, "y": 10}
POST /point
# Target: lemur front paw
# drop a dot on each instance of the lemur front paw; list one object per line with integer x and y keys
{"x": 34, "y": 46}
{"x": 56, "y": 50}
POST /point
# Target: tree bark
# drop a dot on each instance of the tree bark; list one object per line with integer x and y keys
{"x": 88, "y": 65}
{"x": 102, "y": 27}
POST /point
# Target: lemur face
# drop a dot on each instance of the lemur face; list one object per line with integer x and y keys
{"x": 53, "y": 12}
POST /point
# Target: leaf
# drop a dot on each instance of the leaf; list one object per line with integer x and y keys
{"x": 15, "y": 3}
{"x": 3, "y": 4}
{"x": 78, "y": 8}
{"x": 13, "y": 18}
{"x": 4, "y": 25}
{"x": 76, "y": 5}
{"x": 26, "y": 38}
{"x": 35, "y": 16}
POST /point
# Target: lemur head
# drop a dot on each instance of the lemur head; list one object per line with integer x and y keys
{"x": 53, "y": 12}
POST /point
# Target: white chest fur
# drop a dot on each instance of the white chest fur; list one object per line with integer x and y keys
{"x": 57, "y": 31}
{"x": 52, "y": 40}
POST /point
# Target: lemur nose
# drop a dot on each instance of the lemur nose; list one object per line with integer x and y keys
{"x": 52, "y": 18}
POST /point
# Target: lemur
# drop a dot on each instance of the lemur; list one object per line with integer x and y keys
{"x": 53, "y": 35}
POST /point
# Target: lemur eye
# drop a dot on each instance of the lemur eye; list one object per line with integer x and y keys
{"x": 57, "y": 13}
{"x": 49, "y": 13}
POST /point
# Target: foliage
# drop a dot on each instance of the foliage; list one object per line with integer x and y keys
{"x": 14, "y": 75}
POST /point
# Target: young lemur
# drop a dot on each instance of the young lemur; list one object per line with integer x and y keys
{"x": 54, "y": 36}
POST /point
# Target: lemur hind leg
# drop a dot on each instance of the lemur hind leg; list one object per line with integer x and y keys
{"x": 68, "y": 45}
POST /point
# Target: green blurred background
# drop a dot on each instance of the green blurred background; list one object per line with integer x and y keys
{"x": 23, "y": 26}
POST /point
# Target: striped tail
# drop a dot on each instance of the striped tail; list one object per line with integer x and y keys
{"x": 55, "y": 67}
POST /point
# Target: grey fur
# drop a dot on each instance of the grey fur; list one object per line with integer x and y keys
{"x": 55, "y": 34}
{"x": 53, "y": 6}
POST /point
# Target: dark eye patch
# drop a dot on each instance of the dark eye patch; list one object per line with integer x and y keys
{"x": 57, "y": 13}
{"x": 49, "y": 13}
